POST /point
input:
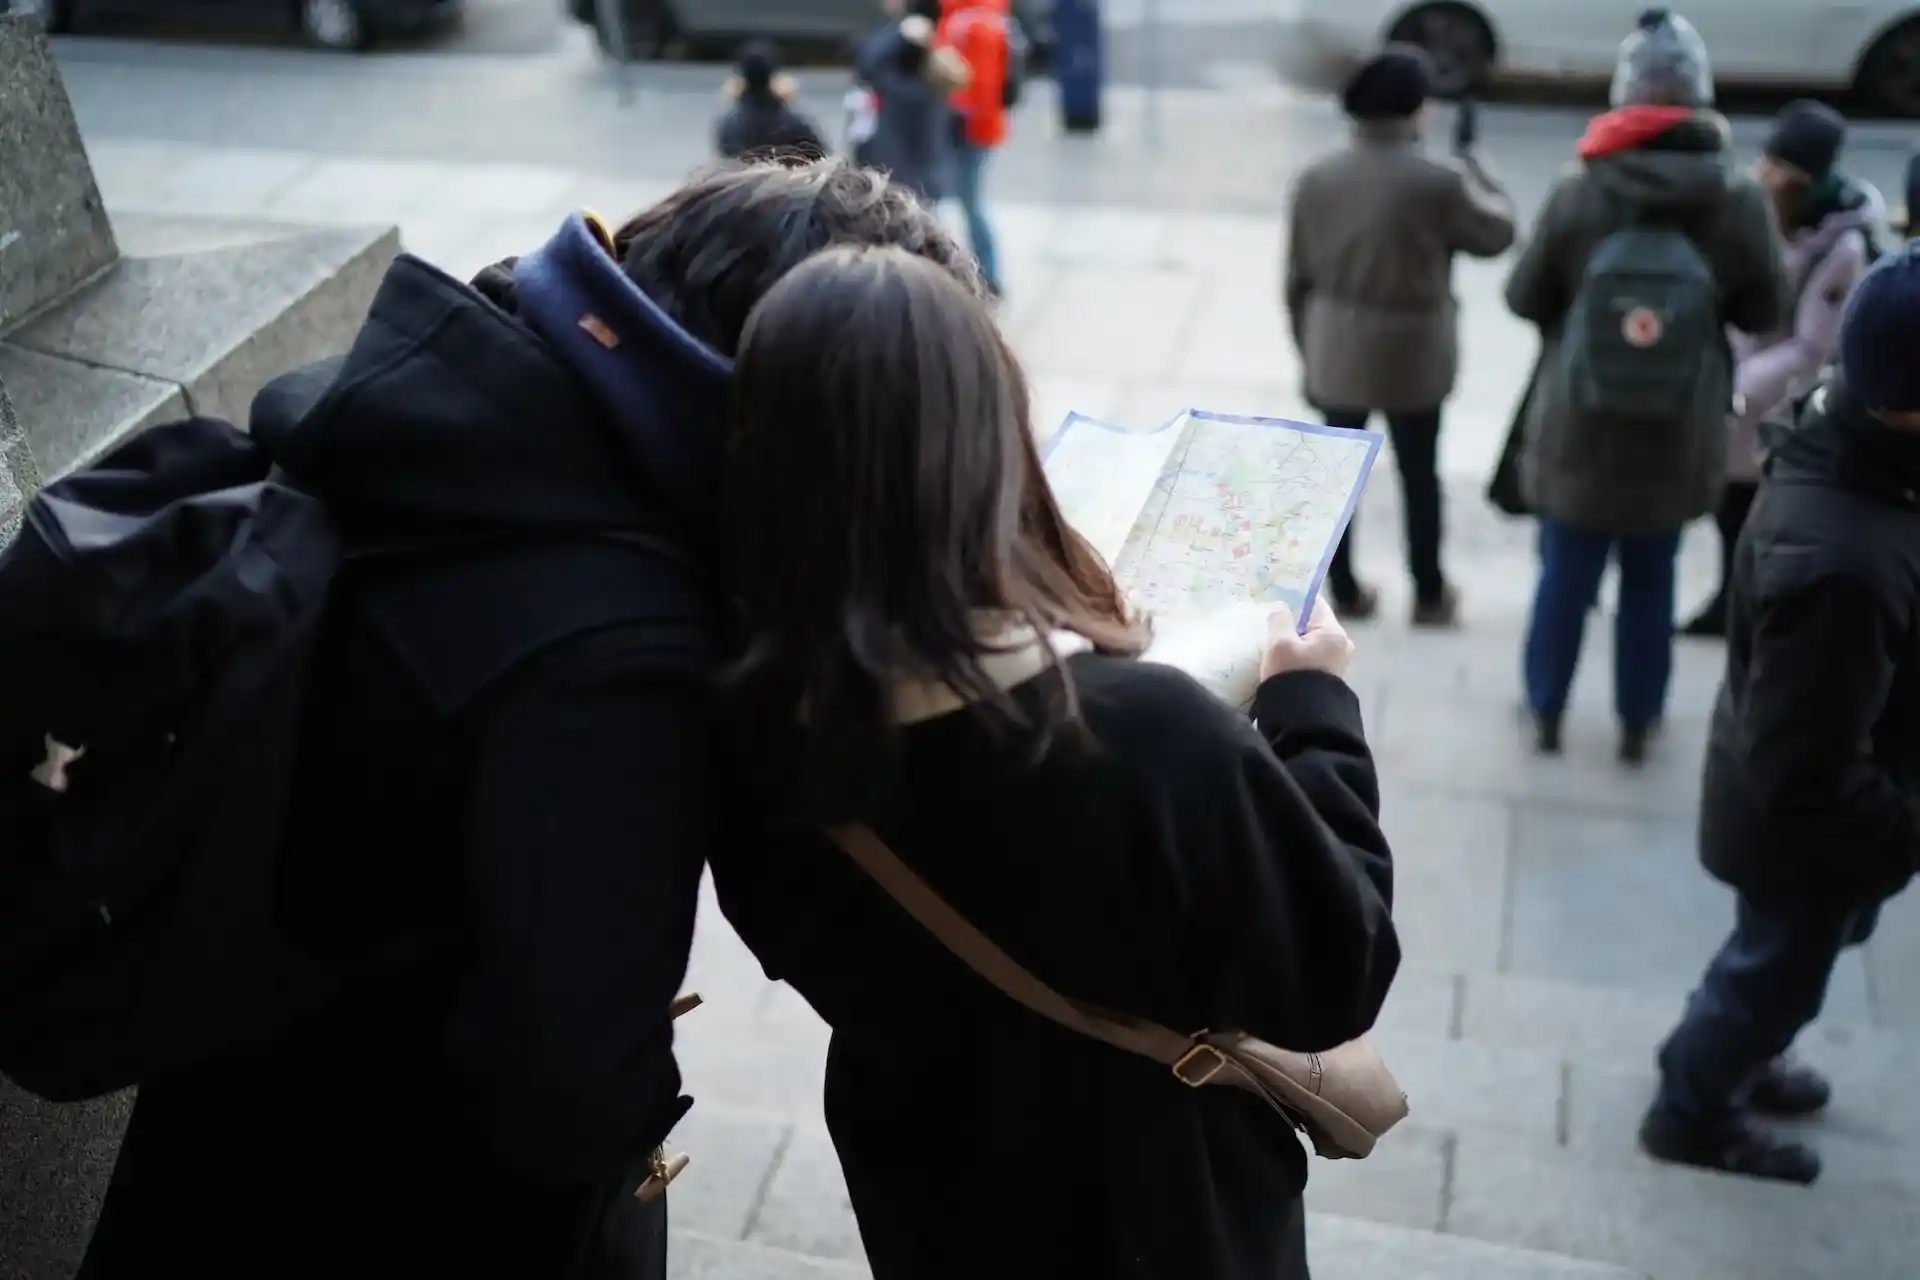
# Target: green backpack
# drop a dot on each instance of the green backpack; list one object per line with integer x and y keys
{"x": 1642, "y": 328}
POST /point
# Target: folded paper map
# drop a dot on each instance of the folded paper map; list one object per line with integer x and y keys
{"x": 1208, "y": 514}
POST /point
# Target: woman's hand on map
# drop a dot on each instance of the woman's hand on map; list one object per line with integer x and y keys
{"x": 1323, "y": 646}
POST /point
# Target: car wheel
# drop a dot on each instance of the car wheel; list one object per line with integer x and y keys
{"x": 51, "y": 16}
{"x": 650, "y": 29}
{"x": 335, "y": 24}
{"x": 1890, "y": 73}
{"x": 1458, "y": 40}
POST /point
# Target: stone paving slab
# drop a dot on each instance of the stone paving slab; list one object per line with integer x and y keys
{"x": 692, "y": 1256}
{"x": 1678, "y": 1224}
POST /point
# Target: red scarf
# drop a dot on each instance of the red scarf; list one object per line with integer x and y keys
{"x": 1628, "y": 127}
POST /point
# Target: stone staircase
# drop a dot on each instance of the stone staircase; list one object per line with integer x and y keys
{"x": 1553, "y": 916}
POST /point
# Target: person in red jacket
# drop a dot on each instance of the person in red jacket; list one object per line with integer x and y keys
{"x": 981, "y": 31}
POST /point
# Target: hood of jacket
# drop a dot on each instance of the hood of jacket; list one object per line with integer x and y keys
{"x": 1849, "y": 205}
{"x": 1837, "y": 441}
{"x": 1668, "y": 162}
{"x": 551, "y": 395}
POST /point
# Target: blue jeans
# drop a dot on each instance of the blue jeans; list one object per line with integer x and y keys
{"x": 1765, "y": 985}
{"x": 1572, "y": 562}
{"x": 971, "y": 163}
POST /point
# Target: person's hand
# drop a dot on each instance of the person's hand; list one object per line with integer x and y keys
{"x": 1323, "y": 646}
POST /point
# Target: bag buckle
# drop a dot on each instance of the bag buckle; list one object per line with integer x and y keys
{"x": 1199, "y": 1065}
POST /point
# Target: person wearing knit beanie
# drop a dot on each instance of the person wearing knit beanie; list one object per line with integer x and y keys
{"x": 1663, "y": 63}
{"x": 1806, "y": 139}
{"x": 1393, "y": 84}
{"x": 1878, "y": 337}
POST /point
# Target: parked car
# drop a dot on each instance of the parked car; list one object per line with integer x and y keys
{"x": 655, "y": 27}
{"x": 330, "y": 24}
{"x": 1870, "y": 46}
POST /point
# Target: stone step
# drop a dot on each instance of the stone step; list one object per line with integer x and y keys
{"x": 692, "y": 1256}
{"x": 1339, "y": 1249}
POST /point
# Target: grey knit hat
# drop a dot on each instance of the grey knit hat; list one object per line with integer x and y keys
{"x": 1663, "y": 63}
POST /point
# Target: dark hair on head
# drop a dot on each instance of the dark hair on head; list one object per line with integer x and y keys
{"x": 928, "y": 9}
{"x": 888, "y": 506}
{"x": 710, "y": 251}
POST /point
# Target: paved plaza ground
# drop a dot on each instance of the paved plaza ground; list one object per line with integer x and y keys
{"x": 1553, "y": 912}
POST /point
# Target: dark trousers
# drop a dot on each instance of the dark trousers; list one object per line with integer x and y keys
{"x": 1762, "y": 989}
{"x": 1572, "y": 562}
{"x": 1416, "y": 448}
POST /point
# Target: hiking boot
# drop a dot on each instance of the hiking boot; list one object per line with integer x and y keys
{"x": 1439, "y": 612}
{"x": 1742, "y": 1150}
{"x": 1635, "y": 739}
{"x": 1546, "y": 735}
{"x": 1358, "y": 605}
{"x": 1789, "y": 1090}
{"x": 1710, "y": 623}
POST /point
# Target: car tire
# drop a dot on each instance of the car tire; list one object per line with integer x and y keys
{"x": 1889, "y": 75}
{"x": 651, "y": 28}
{"x": 339, "y": 25}
{"x": 1457, "y": 39}
{"x": 51, "y": 16}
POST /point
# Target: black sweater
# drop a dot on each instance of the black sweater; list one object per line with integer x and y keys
{"x": 1185, "y": 867}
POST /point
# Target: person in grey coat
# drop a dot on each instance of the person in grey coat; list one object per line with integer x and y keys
{"x": 1604, "y": 489}
{"x": 1373, "y": 232}
{"x": 912, "y": 129}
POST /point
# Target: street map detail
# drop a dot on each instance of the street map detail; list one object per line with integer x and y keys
{"x": 1215, "y": 508}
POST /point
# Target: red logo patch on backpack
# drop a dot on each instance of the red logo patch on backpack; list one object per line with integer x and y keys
{"x": 1642, "y": 327}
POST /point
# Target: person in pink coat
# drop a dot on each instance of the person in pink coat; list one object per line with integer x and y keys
{"x": 1831, "y": 223}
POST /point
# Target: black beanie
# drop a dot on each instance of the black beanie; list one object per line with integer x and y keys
{"x": 1808, "y": 136}
{"x": 759, "y": 62}
{"x": 1391, "y": 85}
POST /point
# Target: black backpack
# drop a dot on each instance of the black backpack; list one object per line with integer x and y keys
{"x": 157, "y": 616}
{"x": 1019, "y": 55}
{"x": 1642, "y": 329}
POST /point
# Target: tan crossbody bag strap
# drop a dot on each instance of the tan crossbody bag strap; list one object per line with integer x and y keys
{"x": 978, "y": 952}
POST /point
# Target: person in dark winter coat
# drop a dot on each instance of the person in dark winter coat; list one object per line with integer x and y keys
{"x": 1832, "y": 224}
{"x": 506, "y": 794}
{"x": 1810, "y": 808}
{"x": 912, "y": 129}
{"x": 931, "y": 651}
{"x": 1371, "y": 239}
{"x": 761, "y": 121}
{"x": 1625, "y": 490}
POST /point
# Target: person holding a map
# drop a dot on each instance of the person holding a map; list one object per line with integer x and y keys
{"x": 936, "y": 664}
{"x": 1372, "y": 235}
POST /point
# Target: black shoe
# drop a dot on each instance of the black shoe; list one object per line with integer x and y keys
{"x": 1439, "y": 612}
{"x": 1356, "y": 605}
{"x": 1634, "y": 741}
{"x": 1747, "y": 1152}
{"x": 1546, "y": 735}
{"x": 1789, "y": 1090}
{"x": 1710, "y": 623}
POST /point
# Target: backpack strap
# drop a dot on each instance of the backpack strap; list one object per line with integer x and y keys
{"x": 1192, "y": 1060}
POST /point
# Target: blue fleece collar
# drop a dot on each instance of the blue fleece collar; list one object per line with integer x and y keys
{"x": 666, "y": 392}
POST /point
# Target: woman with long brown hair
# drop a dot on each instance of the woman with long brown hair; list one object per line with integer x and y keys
{"x": 931, "y": 652}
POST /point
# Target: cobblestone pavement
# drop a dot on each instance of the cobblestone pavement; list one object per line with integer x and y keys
{"x": 1553, "y": 911}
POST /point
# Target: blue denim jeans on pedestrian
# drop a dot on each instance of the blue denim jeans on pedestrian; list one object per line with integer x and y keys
{"x": 1572, "y": 562}
{"x": 971, "y": 163}
{"x": 1766, "y": 984}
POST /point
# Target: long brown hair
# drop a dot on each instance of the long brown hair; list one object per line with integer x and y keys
{"x": 885, "y": 495}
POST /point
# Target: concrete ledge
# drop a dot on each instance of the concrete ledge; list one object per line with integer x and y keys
{"x": 195, "y": 318}
{"x": 54, "y": 1166}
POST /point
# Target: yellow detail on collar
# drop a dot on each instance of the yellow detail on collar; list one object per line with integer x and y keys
{"x": 598, "y": 225}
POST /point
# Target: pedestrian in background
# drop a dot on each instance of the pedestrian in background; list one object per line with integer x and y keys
{"x": 761, "y": 121}
{"x": 1907, "y": 221}
{"x": 1641, "y": 257}
{"x": 1831, "y": 224}
{"x": 981, "y": 32}
{"x": 912, "y": 132}
{"x": 1813, "y": 762}
{"x": 1372, "y": 234}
